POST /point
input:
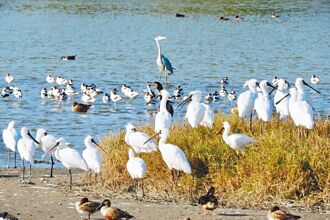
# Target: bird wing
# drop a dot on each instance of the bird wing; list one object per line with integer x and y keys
{"x": 241, "y": 139}
{"x": 20, "y": 147}
{"x": 72, "y": 159}
{"x": 245, "y": 103}
{"x": 137, "y": 139}
{"x": 90, "y": 207}
{"x": 9, "y": 138}
{"x": 195, "y": 113}
{"x": 176, "y": 158}
{"x": 208, "y": 118}
{"x": 136, "y": 168}
{"x": 167, "y": 63}
{"x": 48, "y": 142}
{"x": 93, "y": 159}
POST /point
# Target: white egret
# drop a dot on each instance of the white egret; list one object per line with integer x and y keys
{"x": 84, "y": 206}
{"x": 300, "y": 82}
{"x": 136, "y": 168}
{"x": 46, "y": 142}
{"x": 301, "y": 112}
{"x": 282, "y": 108}
{"x": 92, "y": 155}
{"x": 69, "y": 157}
{"x": 173, "y": 156}
{"x": 198, "y": 113}
{"x": 9, "y": 136}
{"x": 163, "y": 63}
{"x": 26, "y": 149}
{"x": 315, "y": 79}
{"x": 137, "y": 140}
{"x": 262, "y": 104}
{"x": 245, "y": 101}
{"x": 113, "y": 213}
{"x": 238, "y": 142}
{"x": 163, "y": 119}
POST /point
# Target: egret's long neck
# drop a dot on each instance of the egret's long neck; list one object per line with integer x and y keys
{"x": 264, "y": 91}
{"x": 225, "y": 134}
{"x": 158, "y": 48}
{"x": 162, "y": 105}
{"x": 162, "y": 140}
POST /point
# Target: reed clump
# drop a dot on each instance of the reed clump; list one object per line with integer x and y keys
{"x": 279, "y": 167}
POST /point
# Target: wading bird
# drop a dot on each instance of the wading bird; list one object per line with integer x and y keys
{"x": 163, "y": 63}
{"x": 113, "y": 213}
{"x": 92, "y": 156}
{"x": 173, "y": 156}
{"x": 9, "y": 136}
{"x": 26, "y": 149}
{"x": 238, "y": 142}
{"x": 163, "y": 119}
{"x": 198, "y": 113}
{"x": 300, "y": 82}
{"x": 282, "y": 108}
{"x": 84, "y": 206}
{"x": 136, "y": 168}
{"x": 276, "y": 214}
{"x": 69, "y": 157}
{"x": 262, "y": 104}
{"x": 159, "y": 87}
{"x": 245, "y": 101}
{"x": 137, "y": 140}
{"x": 301, "y": 112}
{"x": 46, "y": 142}
{"x": 209, "y": 202}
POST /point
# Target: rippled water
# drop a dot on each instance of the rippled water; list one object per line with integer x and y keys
{"x": 114, "y": 45}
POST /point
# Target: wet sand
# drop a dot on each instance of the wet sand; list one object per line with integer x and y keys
{"x": 50, "y": 198}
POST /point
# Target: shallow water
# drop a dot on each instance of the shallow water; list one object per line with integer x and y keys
{"x": 114, "y": 45}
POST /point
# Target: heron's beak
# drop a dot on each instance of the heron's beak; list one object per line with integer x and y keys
{"x": 35, "y": 141}
{"x": 93, "y": 141}
{"x": 311, "y": 87}
{"x": 282, "y": 98}
{"x": 219, "y": 132}
{"x": 185, "y": 101}
{"x": 274, "y": 88}
{"x": 152, "y": 137}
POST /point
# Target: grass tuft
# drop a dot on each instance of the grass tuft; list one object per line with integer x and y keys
{"x": 280, "y": 167}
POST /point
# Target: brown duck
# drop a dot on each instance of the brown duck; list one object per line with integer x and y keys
{"x": 276, "y": 214}
{"x": 80, "y": 107}
{"x": 84, "y": 206}
{"x": 113, "y": 213}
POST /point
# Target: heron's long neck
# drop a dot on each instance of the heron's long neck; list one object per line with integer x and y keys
{"x": 225, "y": 134}
{"x": 158, "y": 48}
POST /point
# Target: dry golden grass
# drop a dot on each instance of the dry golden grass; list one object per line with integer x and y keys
{"x": 279, "y": 167}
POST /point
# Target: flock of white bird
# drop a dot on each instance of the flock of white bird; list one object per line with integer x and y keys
{"x": 255, "y": 99}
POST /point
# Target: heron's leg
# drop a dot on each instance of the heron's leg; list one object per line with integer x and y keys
{"x": 52, "y": 165}
{"x": 251, "y": 122}
{"x": 15, "y": 159}
{"x": 89, "y": 216}
{"x": 30, "y": 173}
{"x": 261, "y": 126}
{"x": 142, "y": 188}
{"x": 8, "y": 159}
{"x": 177, "y": 176}
{"x": 70, "y": 179}
{"x": 173, "y": 179}
{"x": 23, "y": 170}
{"x": 95, "y": 178}
{"x": 90, "y": 177}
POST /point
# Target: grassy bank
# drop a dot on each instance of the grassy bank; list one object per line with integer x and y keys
{"x": 279, "y": 167}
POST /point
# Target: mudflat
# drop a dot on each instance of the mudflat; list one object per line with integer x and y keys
{"x": 51, "y": 198}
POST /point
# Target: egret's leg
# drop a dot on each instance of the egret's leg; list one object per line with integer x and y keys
{"x": 95, "y": 178}
{"x": 177, "y": 176}
{"x": 15, "y": 159}
{"x": 23, "y": 170}
{"x": 70, "y": 179}
{"x": 90, "y": 177}
{"x": 172, "y": 172}
{"x": 52, "y": 165}
{"x": 142, "y": 188}
{"x": 251, "y": 122}
{"x": 8, "y": 159}
{"x": 30, "y": 173}
{"x": 89, "y": 216}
